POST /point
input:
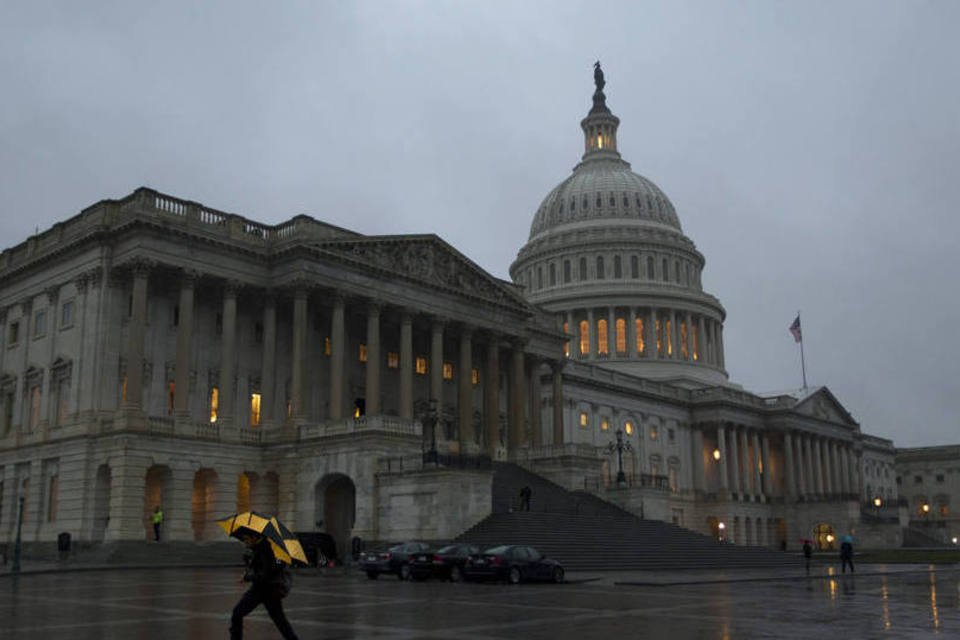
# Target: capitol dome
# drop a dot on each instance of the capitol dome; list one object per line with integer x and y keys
{"x": 608, "y": 255}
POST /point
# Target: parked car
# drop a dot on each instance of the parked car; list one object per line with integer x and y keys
{"x": 445, "y": 563}
{"x": 395, "y": 560}
{"x": 513, "y": 563}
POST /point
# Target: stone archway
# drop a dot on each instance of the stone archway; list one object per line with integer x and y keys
{"x": 156, "y": 493}
{"x": 203, "y": 504}
{"x": 247, "y": 490}
{"x": 101, "y": 504}
{"x": 335, "y": 505}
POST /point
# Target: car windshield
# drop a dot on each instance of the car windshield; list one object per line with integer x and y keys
{"x": 449, "y": 549}
{"x": 496, "y": 551}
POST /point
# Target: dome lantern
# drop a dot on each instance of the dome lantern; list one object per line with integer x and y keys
{"x": 600, "y": 126}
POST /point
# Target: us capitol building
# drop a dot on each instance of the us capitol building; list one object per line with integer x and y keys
{"x": 156, "y": 351}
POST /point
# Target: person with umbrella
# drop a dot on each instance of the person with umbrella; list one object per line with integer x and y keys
{"x": 807, "y": 552}
{"x": 271, "y": 547}
{"x": 846, "y": 552}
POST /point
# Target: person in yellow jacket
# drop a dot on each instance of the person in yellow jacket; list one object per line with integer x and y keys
{"x": 157, "y": 518}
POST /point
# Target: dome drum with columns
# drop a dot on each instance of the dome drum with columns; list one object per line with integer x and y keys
{"x": 608, "y": 256}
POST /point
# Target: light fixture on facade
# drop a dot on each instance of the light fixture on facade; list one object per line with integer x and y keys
{"x": 925, "y": 507}
{"x": 954, "y": 540}
{"x": 830, "y": 537}
{"x": 716, "y": 454}
{"x": 877, "y": 502}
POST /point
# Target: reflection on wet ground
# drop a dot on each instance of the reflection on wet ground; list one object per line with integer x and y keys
{"x": 195, "y": 604}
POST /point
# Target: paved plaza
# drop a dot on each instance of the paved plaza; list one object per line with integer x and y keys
{"x": 195, "y": 604}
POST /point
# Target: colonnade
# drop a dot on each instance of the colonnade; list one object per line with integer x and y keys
{"x": 520, "y": 368}
{"x": 644, "y": 332}
{"x": 762, "y": 464}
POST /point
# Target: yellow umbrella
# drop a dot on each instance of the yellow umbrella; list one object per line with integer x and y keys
{"x": 284, "y": 544}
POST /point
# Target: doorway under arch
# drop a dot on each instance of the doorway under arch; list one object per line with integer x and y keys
{"x": 157, "y": 492}
{"x": 202, "y": 504}
{"x": 335, "y": 509}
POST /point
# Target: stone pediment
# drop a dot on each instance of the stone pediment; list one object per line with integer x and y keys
{"x": 823, "y": 405}
{"x": 429, "y": 260}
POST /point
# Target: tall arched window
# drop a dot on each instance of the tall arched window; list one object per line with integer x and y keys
{"x": 617, "y": 268}
{"x": 634, "y": 267}
{"x": 584, "y": 337}
{"x": 639, "y": 330}
{"x": 539, "y": 277}
{"x": 666, "y": 270}
{"x": 650, "y": 274}
{"x": 566, "y": 345}
{"x": 583, "y": 269}
{"x": 603, "y": 344}
{"x": 566, "y": 271}
{"x": 676, "y": 271}
{"x": 553, "y": 274}
{"x": 659, "y": 332}
{"x": 684, "y": 344}
{"x": 599, "y": 267}
{"x": 621, "y": 337}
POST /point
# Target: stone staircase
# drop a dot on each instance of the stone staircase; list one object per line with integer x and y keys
{"x": 586, "y": 533}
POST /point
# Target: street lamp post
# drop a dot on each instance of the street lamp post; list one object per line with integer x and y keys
{"x": 16, "y": 544}
{"x": 620, "y": 446}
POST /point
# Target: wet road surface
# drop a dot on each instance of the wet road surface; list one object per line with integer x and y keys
{"x": 195, "y": 604}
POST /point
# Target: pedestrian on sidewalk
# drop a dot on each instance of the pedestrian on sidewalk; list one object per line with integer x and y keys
{"x": 807, "y": 553}
{"x": 525, "y": 494}
{"x": 157, "y": 518}
{"x": 270, "y": 582}
{"x": 846, "y": 553}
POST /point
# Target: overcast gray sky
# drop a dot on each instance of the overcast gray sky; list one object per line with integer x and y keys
{"x": 810, "y": 148}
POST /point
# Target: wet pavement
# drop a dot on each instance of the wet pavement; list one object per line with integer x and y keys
{"x": 899, "y": 602}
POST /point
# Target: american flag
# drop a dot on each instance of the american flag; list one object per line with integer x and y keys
{"x": 795, "y": 330}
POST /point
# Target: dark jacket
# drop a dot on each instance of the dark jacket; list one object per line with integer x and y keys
{"x": 264, "y": 571}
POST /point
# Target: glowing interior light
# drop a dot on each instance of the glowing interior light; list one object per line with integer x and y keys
{"x": 600, "y": 142}
{"x": 716, "y": 454}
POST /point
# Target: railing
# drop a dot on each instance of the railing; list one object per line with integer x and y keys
{"x": 160, "y": 425}
{"x": 570, "y": 449}
{"x": 361, "y": 425}
{"x": 456, "y": 460}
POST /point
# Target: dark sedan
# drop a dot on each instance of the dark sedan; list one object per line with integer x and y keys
{"x": 395, "y": 560}
{"x": 513, "y": 563}
{"x": 445, "y": 563}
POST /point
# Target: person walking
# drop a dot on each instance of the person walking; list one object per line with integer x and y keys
{"x": 270, "y": 582}
{"x": 157, "y": 518}
{"x": 525, "y": 494}
{"x": 846, "y": 553}
{"x": 807, "y": 553}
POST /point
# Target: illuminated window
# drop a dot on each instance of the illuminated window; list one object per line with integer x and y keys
{"x": 363, "y": 353}
{"x": 603, "y": 346}
{"x": 566, "y": 345}
{"x": 421, "y": 365}
{"x": 695, "y": 341}
{"x": 326, "y": 346}
{"x": 628, "y": 428}
{"x": 584, "y": 337}
{"x": 254, "y": 409}
{"x": 683, "y": 340}
{"x": 171, "y": 397}
{"x": 669, "y": 337}
{"x": 448, "y": 371}
{"x": 584, "y": 419}
{"x": 653, "y": 432}
{"x": 393, "y": 360}
{"x": 214, "y": 403}
{"x": 475, "y": 376}
{"x": 659, "y": 330}
{"x": 638, "y": 326}
{"x": 600, "y": 142}
{"x": 621, "y": 337}
{"x": 604, "y": 424}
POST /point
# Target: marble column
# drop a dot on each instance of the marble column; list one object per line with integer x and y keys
{"x": 228, "y": 355}
{"x": 632, "y": 334}
{"x": 436, "y": 363}
{"x": 651, "y": 331}
{"x": 702, "y": 355}
{"x": 591, "y": 334}
{"x": 673, "y": 350}
{"x": 557, "y": 368}
{"x": 690, "y": 332}
{"x": 372, "y": 393}
{"x": 406, "y": 365}
{"x": 465, "y": 390}
{"x": 533, "y": 390}
{"x": 338, "y": 350}
{"x": 735, "y": 461}
{"x": 135, "y": 335}
{"x": 722, "y": 446}
{"x": 720, "y": 357}
{"x": 758, "y": 459}
{"x": 184, "y": 345}
{"x": 268, "y": 400}
{"x": 818, "y": 487}
{"x": 699, "y": 477}
{"x": 790, "y": 465}
{"x": 491, "y": 389}
{"x": 745, "y": 469}
{"x": 517, "y": 424}
{"x": 298, "y": 356}
{"x": 611, "y": 332}
{"x": 573, "y": 337}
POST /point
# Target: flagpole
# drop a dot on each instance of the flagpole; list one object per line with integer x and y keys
{"x": 803, "y": 364}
